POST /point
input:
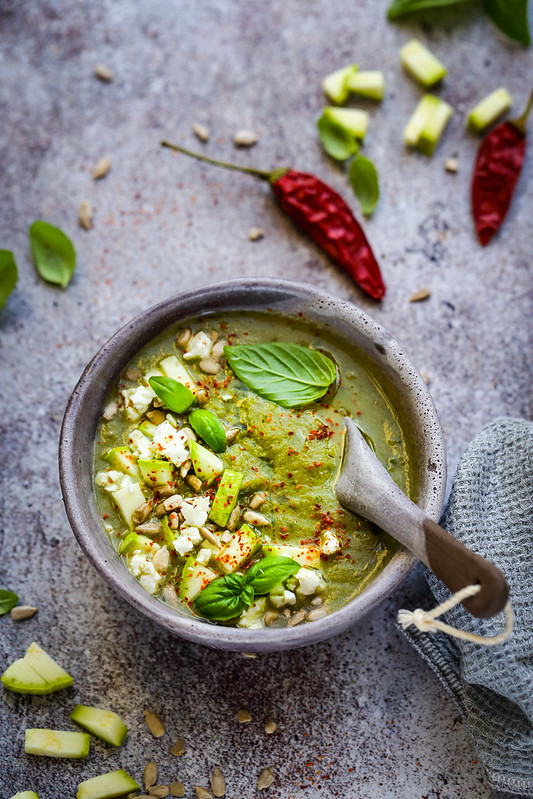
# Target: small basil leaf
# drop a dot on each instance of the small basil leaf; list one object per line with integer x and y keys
{"x": 8, "y": 600}
{"x": 176, "y": 396}
{"x": 511, "y": 18}
{"x": 288, "y": 374}
{"x": 8, "y": 275}
{"x": 53, "y": 253}
{"x": 224, "y": 599}
{"x": 365, "y": 183}
{"x": 336, "y": 140}
{"x": 398, "y": 8}
{"x": 209, "y": 427}
{"x": 269, "y": 572}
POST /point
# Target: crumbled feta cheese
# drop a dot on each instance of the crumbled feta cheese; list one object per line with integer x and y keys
{"x": 170, "y": 443}
{"x": 140, "y": 444}
{"x": 309, "y": 581}
{"x": 198, "y": 346}
{"x": 142, "y": 567}
{"x": 195, "y": 510}
{"x": 137, "y": 400}
{"x": 204, "y": 556}
{"x": 113, "y": 480}
{"x": 329, "y": 543}
{"x": 282, "y": 599}
{"x": 187, "y": 540}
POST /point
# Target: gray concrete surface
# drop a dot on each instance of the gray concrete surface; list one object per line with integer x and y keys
{"x": 359, "y": 716}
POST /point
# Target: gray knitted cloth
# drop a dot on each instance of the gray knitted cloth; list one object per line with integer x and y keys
{"x": 491, "y": 511}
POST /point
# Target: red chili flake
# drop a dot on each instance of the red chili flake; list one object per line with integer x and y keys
{"x": 105, "y": 516}
{"x": 289, "y": 474}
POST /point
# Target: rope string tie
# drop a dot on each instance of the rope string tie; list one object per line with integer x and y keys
{"x": 427, "y": 620}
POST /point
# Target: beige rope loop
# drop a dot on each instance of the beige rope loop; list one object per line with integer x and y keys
{"x": 427, "y": 620}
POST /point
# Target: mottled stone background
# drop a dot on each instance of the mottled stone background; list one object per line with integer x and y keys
{"x": 360, "y": 715}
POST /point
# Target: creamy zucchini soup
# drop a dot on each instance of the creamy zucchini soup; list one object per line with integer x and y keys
{"x": 215, "y": 466}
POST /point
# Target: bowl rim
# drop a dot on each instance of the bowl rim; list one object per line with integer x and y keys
{"x": 146, "y": 326}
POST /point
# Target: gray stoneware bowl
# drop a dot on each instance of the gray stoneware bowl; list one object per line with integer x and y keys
{"x": 401, "y": 381}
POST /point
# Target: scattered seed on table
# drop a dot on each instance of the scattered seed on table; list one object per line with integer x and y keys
{"x": 85, "y": 215}
{"x": 150, "y": 775}
{"x": 159, "y": 790}
{"x": 245, "y": 138}
{"x": 244, "y": 716}
{"x": 421, "y": 294}
{"x": 200, "y": 131}
{"x": 103, "y": 73}
{"x": 154, "y": 723}
{"x": 425, "y": 377}
{"x": 248, "y": 654}
{"x": 177, "y": 789}
{"x": 265, "y": 779}
{"x": 255, "y": 233}
{"x": 218, "y": 782}
{"x": 178, "y": 748}
{"x": 270, "y": 726}
{"x": 102, "y": 168}
{"x": 202, "y": 793}
{"x": 451, "y": 165}
{"x": 22, "y": 612}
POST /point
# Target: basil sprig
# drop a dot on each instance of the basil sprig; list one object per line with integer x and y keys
{"x": 226, "y": 598}
{"x": 338, "y": 142}
{"x": 176, "y": 396}
{"x": 398, "y": 8}
{"x": 365, "y": 183}
{"x": 8, "y": 275}
{"x": 288, "y": 374}
{"x": 8, "y": 600}
{"x": 53, "y": 253}
{"x": 209, "y": 427}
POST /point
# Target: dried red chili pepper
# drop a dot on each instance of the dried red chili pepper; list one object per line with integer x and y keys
{"x": 323, "y": 214}
{"x": 496, "y": 172}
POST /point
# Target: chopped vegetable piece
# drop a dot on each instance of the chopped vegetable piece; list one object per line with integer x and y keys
{"x": 334, "y": 85}
{"x": 244, "y": 543}
{"x": 427, "y": 124}
{"x": 135, "y": 541}
{"x": 206, "y": 464}
{"x": 304, "y": 555}
{"x": 122, "y": 458}
{"x": 105, "y": 724}
{"x": 226, "y": 497}
{"x": 21, "y": 678}
{"x": 25, "y": 795}
{"x": 107, "y": 786}
{"x": 57, "y": 743}
{"x": 421, "y": 64}
{"x": 155, "y": 473}
{"x": 353, "y": 120}
{"x": 175, "y": 369}
{"x": 487, "y": 111}
{"x": 127, "y": 499}
{"x": 47, "y": 667}
{"x": 195, "y": 577}
{"x": 426, "y": 106}
{"x": 370, "y": 84}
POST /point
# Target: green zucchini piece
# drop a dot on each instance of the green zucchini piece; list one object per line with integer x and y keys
{"x": 304, "y": 555}
{"x": 105, "y": 724}
{"x": 174, "y": 368}
{"x": 226, "y": 497}
{"x": 421, "y": 64}
{"x": 21, "y": 678}
{"x": 334, "y": 85}
{"x": 57, "y": 743}
{"x": 490, "y": 109}
{"x": 25, "y": 795}
{"x": 156, "y": 472}
{"x": 168, "y": 534}
{"x": 206, "y": 464}
{"x": 134, "y": 541}
{"x": 434, "y": 128}
{"x": 47, "y": 667}
{"x": 121, "y": 458}
{"x": 107, "y": 786}
{"x": 194, "y": 577}
{"x": 244, "y": 543}
{"x": 353, "y": 120}
{"x": 127, "y": 499}
{"x": 370, "y": 84}
{"x": 147, "y": 428}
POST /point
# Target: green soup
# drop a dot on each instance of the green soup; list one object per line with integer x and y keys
{"x": 187, "y": 518}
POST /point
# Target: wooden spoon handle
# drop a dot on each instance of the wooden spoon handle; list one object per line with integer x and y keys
{"x": 458, "y": 567}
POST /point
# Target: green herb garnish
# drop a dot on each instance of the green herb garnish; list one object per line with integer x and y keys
{"x": 176, "y": 396}
{"x": 8, "y": 275}
{"x": 8, "y": 600}
{"x": 510, "y": 16}
{"x": 288, "y": 374}
{"x": 209, "y": 427}
{"x": 53, "y": 253}
{"x": 264, "y": 575}
{"x": 398, "y": 8}
{"x": 224, "y": 599}
{"x": 336, "y": 140}
{"x": 365, "y": 183}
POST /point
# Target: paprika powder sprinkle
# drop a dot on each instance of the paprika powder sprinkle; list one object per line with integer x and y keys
{"x": 322, "y": 213}
{"x": 496, "y": 172}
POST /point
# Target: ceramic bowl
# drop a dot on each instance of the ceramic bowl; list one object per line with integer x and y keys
{"x": 400, "y": 378}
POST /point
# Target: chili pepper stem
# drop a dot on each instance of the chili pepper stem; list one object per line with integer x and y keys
{"x": 522, "y": 119}
{"x": 257, "y": 173}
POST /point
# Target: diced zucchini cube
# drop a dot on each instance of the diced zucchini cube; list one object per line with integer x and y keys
{"x": 21, "y": 678}
{"x": 57, "y": 743}
{"x": 121, "y": 458}
{"x": 226, "y": 497}
{"x": 421, "y": 64}
{"x": 25, "y": 795}
{"x": 334, "y": 85}
{"x": 127, "y": 499}
{"x": 370, "y": 84}
{"x": 135, "y": 541}
{"x": 107, "y": 786}
{"x": 489, "y": 110}
{"x": 205, "y": 463}
{"x": 434, "y": 128}
{"x": 105, "y": 724}
{"x": 353, "y": 120}
{"x": 174, "y": 368}
{"x": 244, "y": 543}
{"x": 304, "y": 555}
{"x": 194, "y": 577}
{"x": 147, "y": 428}
{"x": 47, "y": 667}
{"x": 156, "y": 472}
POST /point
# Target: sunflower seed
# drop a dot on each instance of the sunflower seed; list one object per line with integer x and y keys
{"x": 85, "y": 215}
{"x": 157, "y": 417}
{"x": 189, "y": 432}
{"x": 218, "y": 348}
{"x": 226, "y": 537}
{"x": 110, "y": 411}
{"x": 200, "y": 131}
{"x": 232, "y": 434}
{"x": 154, "y": 723}
{"x": 177, "y": 789}
{"x": 257, "y": 500}
{"x": 252, "y": 517}
{"x": 183, "y": 336}
{"x": 270, "y": 726}
{"x": 255, "y": 233}
{"x": 194, "y": 482}
{"x": 150, "y": 775}
{"x": 202, "y": 397}
{"x": 316, "y": 601}
{"x": 252, "y": 655}
{"x": 159, "y": 790}
{"x": 213, "y": 335}
{"x": 149, "y": 528}
{"x": 244, "y": 716}
{"x": 421, "y": 294}
{"x": 102, "y": 168}
{"x": 170, "y": 595}
{"x": 316, "y": 614}
{"x": 425, "y": 377}
{"x": 270, "y": 617}
{"x": 103, "y": 73}
{"x": 141, "y": 513}
{"x": 265, "y": 779}
{"x": 209, "y": 366}
{"x": 22, "y": 612}
{"x": 245, "y": 138}
{"x": 209, "y": 536}
{"x": 174, "y": 521}
{"x": 296, "y": 618}
{"x": 165, "y": 491}
{"x": 178, "y": 748}
{"x": 161, "y": 559}
{"x": 202, "y": 793}
{"x": 218, "y": 782}
{"x": 173, "y": 502}
{"x": 451, "y": 165}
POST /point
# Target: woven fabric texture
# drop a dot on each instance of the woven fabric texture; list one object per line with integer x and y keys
{"x": 491, "y": 511}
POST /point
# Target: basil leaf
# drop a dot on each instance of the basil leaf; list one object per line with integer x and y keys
{"x": 225, "y": 598}
{"x": 336, "y": 140}
{"x": 176, "y": 396}
{"x": 8, "y": 600}
{"x": 269, "y": 572}
{"x": 53, "y": 253}
{"x": 8, "y": 275}
{"x": 365, "y": 183}
{"x": 510, "y": 16}
{"x": 209, "y": 427}
{"x": 288, "y": 374}
{"x": 398, "y": 8}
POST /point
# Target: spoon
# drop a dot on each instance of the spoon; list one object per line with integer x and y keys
{"x": 366, "y": 488}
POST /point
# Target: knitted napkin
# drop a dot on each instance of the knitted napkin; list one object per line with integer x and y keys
{"x": 491, "y": 511}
